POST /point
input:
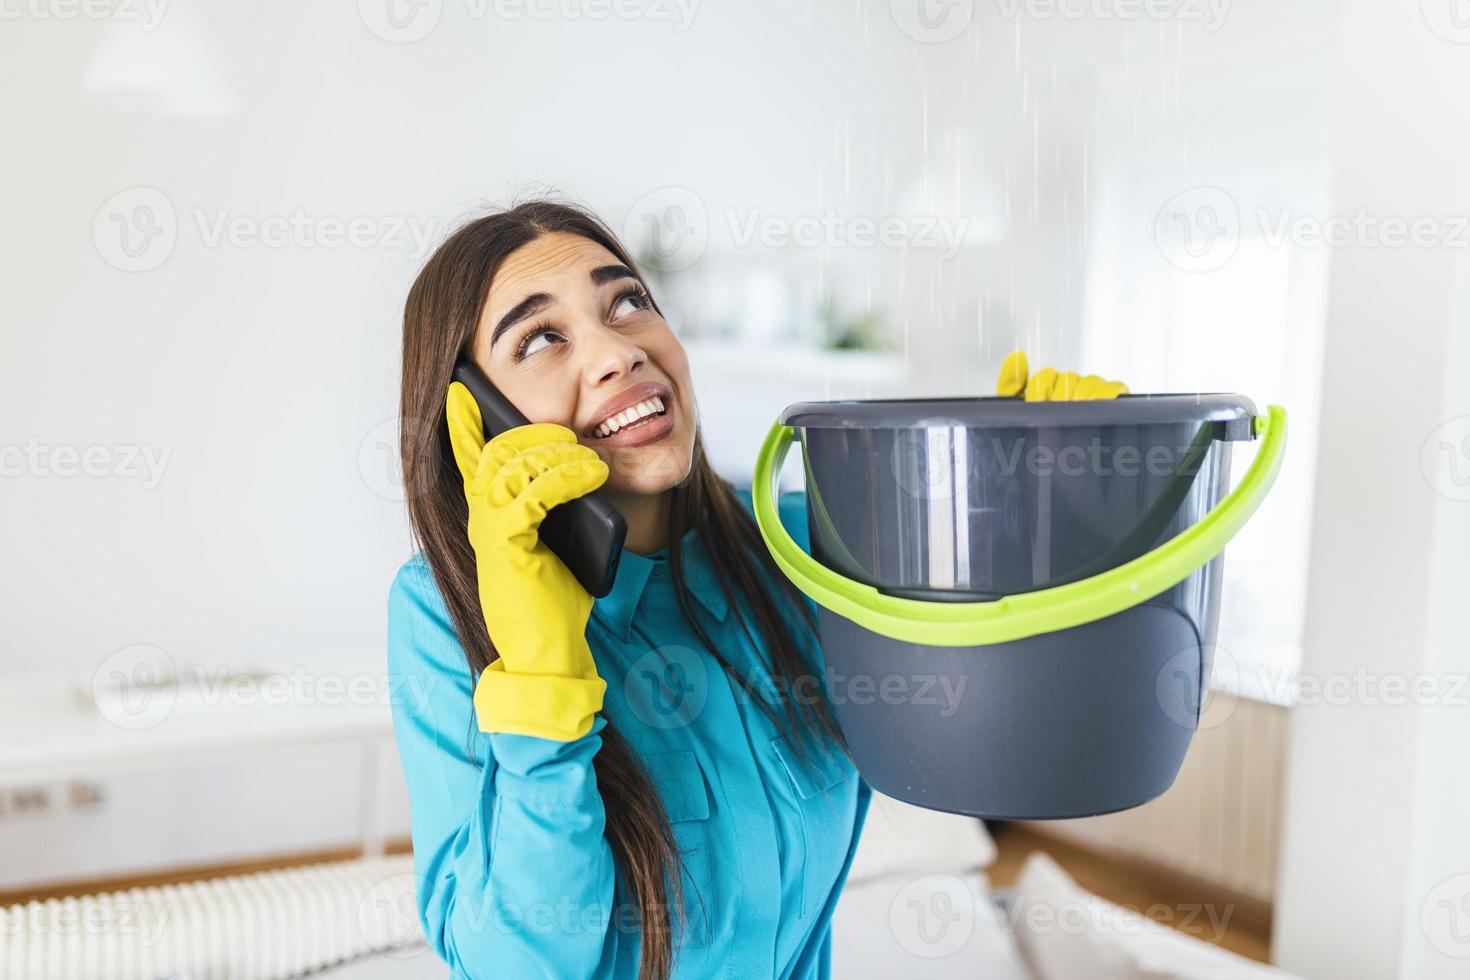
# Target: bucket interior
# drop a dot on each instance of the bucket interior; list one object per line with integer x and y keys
{"x": 966, "y": 512}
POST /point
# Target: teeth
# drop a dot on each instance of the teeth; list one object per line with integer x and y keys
{"x": 628, "y": 416}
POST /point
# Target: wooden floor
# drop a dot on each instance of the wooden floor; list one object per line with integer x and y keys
{"x": 1127, "y": 883}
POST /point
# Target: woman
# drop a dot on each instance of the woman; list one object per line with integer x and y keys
{"x": 646, "y": 785}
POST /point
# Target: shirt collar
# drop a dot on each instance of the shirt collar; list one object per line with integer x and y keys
{"x": 615, "y": 610}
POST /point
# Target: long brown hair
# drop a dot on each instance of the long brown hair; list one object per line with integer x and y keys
{"x": 439, "y": 323}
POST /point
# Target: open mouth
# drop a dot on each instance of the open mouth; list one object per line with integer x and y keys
{"x": 631, "y": 419}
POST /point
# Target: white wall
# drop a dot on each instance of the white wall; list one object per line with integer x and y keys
{"x": 1374, "y": 881}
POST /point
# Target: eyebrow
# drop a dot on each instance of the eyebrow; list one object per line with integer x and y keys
{"x": 605, "y": 274}
{"x": 537, "y": 302}
{"x": 527, "y": 307}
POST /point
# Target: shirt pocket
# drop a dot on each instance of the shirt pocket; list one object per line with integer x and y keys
{"x": 824, "y": 825}
{"x": 684, "y": 792}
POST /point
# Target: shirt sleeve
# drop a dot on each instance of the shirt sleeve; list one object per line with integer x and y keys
{"x": 514, "y": 875}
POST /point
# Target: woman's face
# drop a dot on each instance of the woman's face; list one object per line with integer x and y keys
{"x": 569, "y": 335}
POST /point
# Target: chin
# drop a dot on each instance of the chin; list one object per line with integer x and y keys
{"x": 650, "y": 471}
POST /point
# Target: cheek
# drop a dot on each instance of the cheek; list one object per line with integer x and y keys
{"x": 675, "y": 363}
{"x": 539, "y": 400}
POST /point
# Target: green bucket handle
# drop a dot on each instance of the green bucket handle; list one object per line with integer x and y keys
{"x": 1016, "y": 617}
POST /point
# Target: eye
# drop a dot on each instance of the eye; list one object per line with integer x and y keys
{"x": 632, "y": 300}
{"x": 527, "y": 346}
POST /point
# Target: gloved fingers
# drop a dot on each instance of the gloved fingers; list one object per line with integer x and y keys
{"x": 526, "y": 468}
{"x": 1039, "y": 388}
{"x": 567, "y": 481}
{"x": 1093, "y": 387}
{"x": 466, "y": 430}
{"x": 1064, "y": 389}
{"x": 1013, "y": 371}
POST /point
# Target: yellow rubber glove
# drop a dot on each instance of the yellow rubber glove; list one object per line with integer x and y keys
{"x": 1051, "y": 385}
{"x": 545, "y": 682}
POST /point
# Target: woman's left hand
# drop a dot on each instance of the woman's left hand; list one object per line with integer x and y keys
{"x": 1051, "y": 385}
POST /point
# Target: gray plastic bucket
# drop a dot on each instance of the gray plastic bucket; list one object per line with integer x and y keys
{"x": 1018, "y": 601}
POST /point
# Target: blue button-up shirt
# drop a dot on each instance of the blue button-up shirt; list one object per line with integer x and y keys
{"x": 515, "y": 875}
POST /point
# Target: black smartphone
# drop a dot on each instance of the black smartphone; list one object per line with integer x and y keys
{"x": 586, "y": 533}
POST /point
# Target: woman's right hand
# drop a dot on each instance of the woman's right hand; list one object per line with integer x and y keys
{"x": 545, "y": 682}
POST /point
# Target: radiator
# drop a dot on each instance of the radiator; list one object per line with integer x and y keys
{"x": 1221, "y": 821}
{"x": 261, "y": 926}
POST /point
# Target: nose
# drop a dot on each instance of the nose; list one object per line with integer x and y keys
{"x": 610, "y": 356}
